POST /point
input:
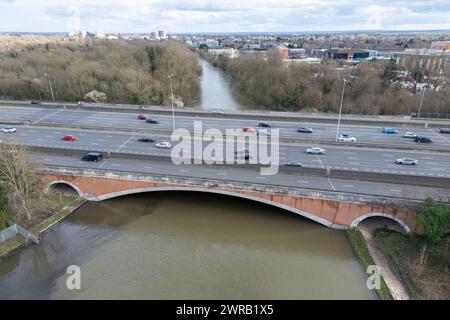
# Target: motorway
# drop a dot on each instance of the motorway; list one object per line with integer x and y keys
{"x": 346, "y": 158}
{"x": 230, "y": 173}
{"x": 323, "y": 133}
{"x": 119, "y": 133}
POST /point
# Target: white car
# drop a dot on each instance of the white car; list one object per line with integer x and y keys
{"x": 346, "y": 138}
{"x": 315, "y": 150}
{"x": 8, "y": 130}
{"x": 163, "y": 145}
{"x": 264, "y": 132}
{"x": 409, "y": 135}
{"x": 407, "y": 161}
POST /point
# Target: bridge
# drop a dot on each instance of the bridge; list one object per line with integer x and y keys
{"x": 335, "y": 210}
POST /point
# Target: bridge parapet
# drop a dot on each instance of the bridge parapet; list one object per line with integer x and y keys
{"x": 333, "y": 209}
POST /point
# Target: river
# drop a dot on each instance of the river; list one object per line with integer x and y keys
{"x": 183, "y": 245}
{"x": 216, "y": 91}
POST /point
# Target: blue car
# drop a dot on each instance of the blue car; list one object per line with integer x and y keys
{"x": 390, "y": 131}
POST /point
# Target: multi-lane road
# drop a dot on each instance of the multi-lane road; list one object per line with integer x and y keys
{"x": 119, "y": 132}
{"x": 231, "y": 173}
{"x": 363, "y": 159}
{"x": 323, "y": 133}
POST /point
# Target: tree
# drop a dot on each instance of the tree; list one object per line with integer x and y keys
{"x": 435, "y": 219}
{"x": 18, "y": 180}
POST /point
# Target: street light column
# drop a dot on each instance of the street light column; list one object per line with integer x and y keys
{"x": 50, "y": 84}
{"x": 340, "y": 109}
{"x": 171, "y": 96}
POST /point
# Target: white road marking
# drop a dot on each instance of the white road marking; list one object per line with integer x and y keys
{"x": 51, "y": 114}
{"x": 123, "y": 144}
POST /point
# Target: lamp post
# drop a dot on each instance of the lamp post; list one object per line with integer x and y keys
{"x": 171, "y": 96}
{"x": 340, "y": 109}
{"x": 50, "y": 84}
{"x": 421, "y": 102}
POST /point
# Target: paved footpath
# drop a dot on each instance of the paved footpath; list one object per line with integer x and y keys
{"x": 392, "y": 279}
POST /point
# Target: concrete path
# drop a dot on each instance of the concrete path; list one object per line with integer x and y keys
{"x": 390, "y": 276}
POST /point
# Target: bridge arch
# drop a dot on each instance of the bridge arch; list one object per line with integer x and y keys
{"x": 358, "y": 220}
{"x": 54, "y": 184}
{"x": 222, "y": 192}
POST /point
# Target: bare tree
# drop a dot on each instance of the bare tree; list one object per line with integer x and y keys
{"x": 18, "y": 179}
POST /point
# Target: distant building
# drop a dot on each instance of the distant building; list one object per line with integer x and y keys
{"x": 161, "y": 34}
{"x": 212, "y": 43}
{"x": 297, "y": 53}
{"x": 443, "y": 45}
{"x": 229, "y": 52}
{"x": 284, "y": 52}
{"x": 432, "y": 60}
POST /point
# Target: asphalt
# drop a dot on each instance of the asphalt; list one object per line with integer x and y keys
{"x": 345, "y": 157}
{"x": 231, "y": 173}
{"x": 127, "y": 121}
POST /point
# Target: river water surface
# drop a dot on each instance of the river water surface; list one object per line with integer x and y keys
{"x": 186, "y": 246}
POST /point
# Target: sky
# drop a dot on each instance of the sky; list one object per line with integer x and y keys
{"x": 184, "y": 16}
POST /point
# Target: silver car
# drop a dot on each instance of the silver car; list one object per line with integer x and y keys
{"x": 407, "y": 161}
{"x": 315, "y": 150}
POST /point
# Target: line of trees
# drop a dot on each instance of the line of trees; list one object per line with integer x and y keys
{"x": 126, "y": 71}
{"x": 270, "y": 83}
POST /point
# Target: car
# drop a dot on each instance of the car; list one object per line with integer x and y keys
{"x": 409, "y": 135}
{"x": 36, "y": 102}
{"x": 390, "y": 131}
{"x": 92, "y": 156}
{"x": 292, "y": 164}
{"x": 163, "y": 145}
{"x": 218, "y": 111}
{"x": 248, "y": 129}
{"x": 304, "y": 130}
{"x": 142, "y": 117}
{"x": 407, "y": 161}
{"x": 423, "y": 140}
{"x": 146, "y": 139}
{"x": 445, "y": 130}
{"x": 149, "y": 120}
{"x": 8, "y": 130}
{"x": 315, "y": 150}
{"x": 264, "y": 125}
{"x": 346, "y": 138}
{"x": 244, "y": 153}
{"x": 264, "y": 132}
{"x": 69, "y": 138}
{"x": 80, "y": 104}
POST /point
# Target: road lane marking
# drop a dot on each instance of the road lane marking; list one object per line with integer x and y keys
{"x": 51, "y": 114}
{"x": 123, "y": 144}
{"x": 331, "y": 184}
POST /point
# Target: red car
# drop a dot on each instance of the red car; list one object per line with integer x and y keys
{"x": 248, "y": 129}
{"x": 69, "y": 138}
{"x": 142, "y": 117}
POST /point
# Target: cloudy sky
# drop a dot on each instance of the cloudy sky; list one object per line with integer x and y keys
{"x": 222, "y": 15}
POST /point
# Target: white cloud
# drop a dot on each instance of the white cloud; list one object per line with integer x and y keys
{"x": 223, "y": 15}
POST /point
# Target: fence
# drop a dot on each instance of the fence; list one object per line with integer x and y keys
{"x": 15, "y": 229}
{"x": 6, "y": 97}
{"x": 421, "y": 115}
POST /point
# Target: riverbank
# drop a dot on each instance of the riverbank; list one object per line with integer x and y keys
{"x": 361, "y": 250}
{"x": 69, "y": 205}
{"x": 425, "y": 273}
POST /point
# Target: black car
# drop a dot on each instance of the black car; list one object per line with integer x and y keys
{"x": 35, "y": 101}
{"x": 423, "y": 140}
{"x": 146, "y": 139}
{"x": 148, "y": 120}
{"x": 305, "y": 130}
{"x": 293, "y": 164}
{"x": 264, "y": 125}
{"x": 92, "y": 156}
{"x": 445, "y": 130}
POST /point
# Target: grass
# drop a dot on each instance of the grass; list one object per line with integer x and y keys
{"x": 61, "y": 202}
{"x": 362, "y": 252}
{"x": 426, "y": 273}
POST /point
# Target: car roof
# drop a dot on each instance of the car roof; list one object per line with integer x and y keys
{"x": 94, "y": 153}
